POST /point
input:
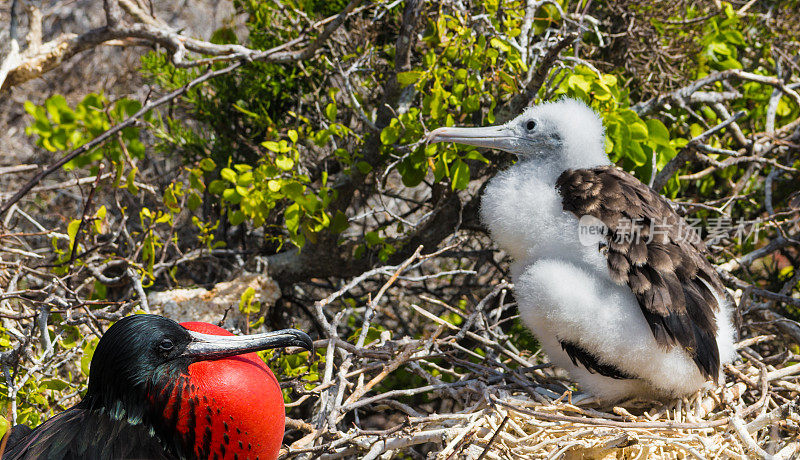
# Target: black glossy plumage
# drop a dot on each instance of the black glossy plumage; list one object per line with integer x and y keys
{"x": 658, "y": 258}
{"x": 115, "y": 419}
{"x": 590, "y": 362}
{"x": 65, "y": 437}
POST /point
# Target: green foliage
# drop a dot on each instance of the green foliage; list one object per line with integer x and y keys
{"x": 251, "y": 193}
{"x": 458, "y": 77}
{"x": 249, "y": 307}
{"x": 631, "y": 141}
{"x": 38, "y": 396}
{"x": 261, "y": 180}
{"x": 59, "y": 127}
{"x": 65, "y": 252}
{"x": 247, "y": 107}
{"x": 461, "y": 75}
{"x": 296, "y": 366}
{"x": 720, "y": 42}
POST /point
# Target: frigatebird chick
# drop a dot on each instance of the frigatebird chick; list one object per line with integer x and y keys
{"x": 163, "y": 390}
{"x": 630, "y": 306}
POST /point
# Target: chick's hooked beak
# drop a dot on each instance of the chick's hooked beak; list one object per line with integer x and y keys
{"x": 208, "y": 346}
{"x": 501, "y": 137}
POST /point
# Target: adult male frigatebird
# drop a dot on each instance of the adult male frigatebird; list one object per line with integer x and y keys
{"x": 636, "y": 311}
{"x": 163, "y": 390}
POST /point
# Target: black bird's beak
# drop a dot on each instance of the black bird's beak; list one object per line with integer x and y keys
{"x": 207, "y": 346}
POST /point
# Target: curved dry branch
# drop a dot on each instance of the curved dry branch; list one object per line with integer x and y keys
{"x": 35, "y": 61}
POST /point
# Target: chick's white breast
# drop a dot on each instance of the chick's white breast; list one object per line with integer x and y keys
{"x": 524, "y": 214}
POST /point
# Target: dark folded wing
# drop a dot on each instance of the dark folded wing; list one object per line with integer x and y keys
{"x": 654, "y": 251}
{"x": 77, "y": 434}
{"x": 580, "y": 355}
{"x": 17, "y": 434}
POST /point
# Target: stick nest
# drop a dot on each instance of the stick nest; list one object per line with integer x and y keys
{"x": 477, "y": 396}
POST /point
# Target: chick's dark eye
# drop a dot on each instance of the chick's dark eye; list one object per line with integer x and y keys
{"x": 530, "y": 125}
{"x": 166, "y": 345}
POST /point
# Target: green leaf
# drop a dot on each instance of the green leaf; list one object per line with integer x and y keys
{"x": 783, "y": 108}
{"x": 236, "y": 217}
{"x": 372, "y": 238}
{"x": 194, "y": 201}
{"x": 272, "y": 145}
{"x": 245, "y": 179}
{"x": 339, "y": 223}
{"x": 293, "y": 190}
{"x": 170, "y": 200}
{"x": 130, "y": 182}
{"x": 638, "y": 131}
{"x": 216, "y": 187}
{"x": 330, "y": 111}
{"x": 459, "y": 175}
{"x": 579, "y": 81}
{"x": 291, "y": 217}
{"x": 609, "y": 80}
{"x": 472, "y": 103}
{"x": 56, "y": 105}
{"x": 363, "y": 167}
{"x": 412, "y": 173}
{"x": 728, "y": 9}
{"x": 500, "y": 44}
{"x": 440, "y": 169}
{"x": 657, "y": 132}
{"x": 600, "y": 91}
{"x": 54, "y": 384}
{"x": 230, "y": 195}
{"x": 437, "y": 103}
{"x": 637, "y": 154}
{"x": 390, "y": 134}
{"x": 408, "y": 78}
{"x": 476, "y": 155}
{"x": 285, "y": 163}
{"x": 228, "y": 174}
{"x": 207, "y": 164}
{"x": 72, "y": 231}
{"x": 88, "y": 352}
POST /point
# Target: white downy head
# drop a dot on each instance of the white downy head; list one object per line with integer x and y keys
{"x": 566, "y": 133}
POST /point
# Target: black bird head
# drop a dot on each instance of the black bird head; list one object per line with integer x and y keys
{"x": 141, "y": 352}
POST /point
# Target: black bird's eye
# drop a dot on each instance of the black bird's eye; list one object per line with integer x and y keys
{"x": 166, "y": 345}
{"x": 531, "y": 125}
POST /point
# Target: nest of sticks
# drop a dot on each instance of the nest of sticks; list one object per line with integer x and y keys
{"x": 755, "y": 414}
{"x": 478, "y": 396}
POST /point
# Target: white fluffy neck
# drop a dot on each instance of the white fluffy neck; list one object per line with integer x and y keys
{"x": 524, "y": 212}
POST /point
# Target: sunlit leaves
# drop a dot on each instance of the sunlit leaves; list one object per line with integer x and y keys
{"x": 252, "y": 194}
{"x": 391, "y": 133}
{"x": 408, "y": 78}
{"x": 630, "y": 140}
{"x": 461, "y": 73}
{"x": 59, "y": 127}
{"x": 721, "y": 41}
{"x": 459, "y": 175}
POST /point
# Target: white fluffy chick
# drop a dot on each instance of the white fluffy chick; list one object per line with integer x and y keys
{"x": 639, "y": 314}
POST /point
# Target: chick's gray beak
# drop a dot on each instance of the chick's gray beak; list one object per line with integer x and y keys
{"x": 208, "y": 346}
{"x": 493, "y": 137}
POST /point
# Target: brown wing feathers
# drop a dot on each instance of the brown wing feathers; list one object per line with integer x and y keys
{"x": 649, "y": 248}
